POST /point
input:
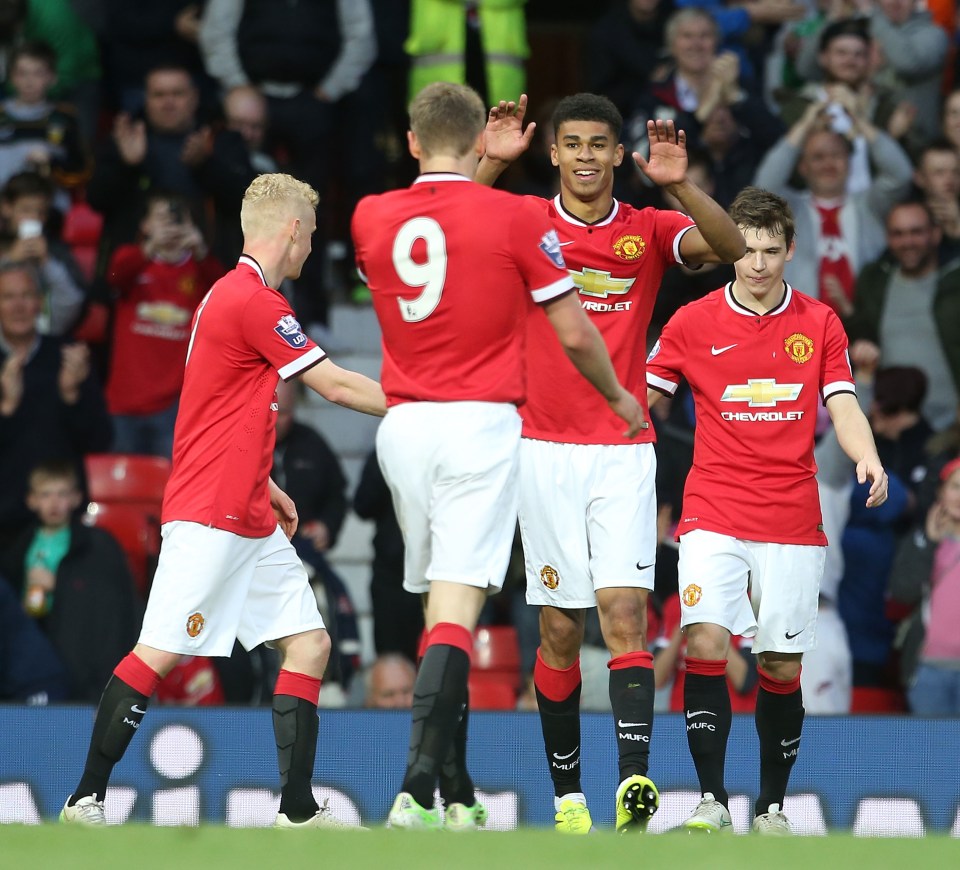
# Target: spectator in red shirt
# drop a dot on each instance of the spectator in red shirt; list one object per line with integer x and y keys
{"x": 158, "y": 282}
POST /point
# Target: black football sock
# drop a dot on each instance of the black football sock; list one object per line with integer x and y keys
{"x": 779, "y": 719}
{"x": 631, "y": 698}
{"x": 295, "y": 729}
{"x": 706, "y": 702}
{"x": 119, "y": 715}
{"x": 456, "y": 786}
{"x": 558, "y": 699}
{"x": 438, "y": 699}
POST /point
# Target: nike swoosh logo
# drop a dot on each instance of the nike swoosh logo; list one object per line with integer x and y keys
{"x": 789, "y": 742}
{"x": 622, "y": 724}
{"x": 789, "y": 636}
{"x": 564, "y": 244}
{"x": 136, "y": 709}
{"x": 716, "y": 351}
{"x": 644, "y": 567}
{"x": 565, "y": 757}
{"x": 692, "y": 713}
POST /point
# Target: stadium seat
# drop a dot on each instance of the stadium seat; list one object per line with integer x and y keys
{"x": 496, "y": 650}
{"x": 873, "y": 699}
{"x": 136, "y": 526}
{"x": 491, "y": 692}
{"x": 126, "y": 477}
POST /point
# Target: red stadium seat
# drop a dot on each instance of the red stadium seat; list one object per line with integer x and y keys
{"x": 496, "y": 650}
{"x": 136, "y": 526}
{"x": 126, "y": 477}
{"x": 491, "y": 692}
{"x": 871, "y": 699}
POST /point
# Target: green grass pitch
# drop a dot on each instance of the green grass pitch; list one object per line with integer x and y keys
{"x": 140, "y": 847}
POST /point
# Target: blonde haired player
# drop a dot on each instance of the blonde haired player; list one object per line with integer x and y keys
{"x": 227, "y": 569}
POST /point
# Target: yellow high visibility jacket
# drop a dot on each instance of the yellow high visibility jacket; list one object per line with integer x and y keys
{"x": 437, "y": 44}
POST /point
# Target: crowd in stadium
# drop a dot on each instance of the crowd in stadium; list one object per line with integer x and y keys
{"x": 129, "y": 133}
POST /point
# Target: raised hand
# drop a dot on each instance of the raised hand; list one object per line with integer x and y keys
{"x": 74, "y": 370}
{"x": 131, "y": 139}
{"x": 504, "y": 137}
{"x": 668, "y": 154}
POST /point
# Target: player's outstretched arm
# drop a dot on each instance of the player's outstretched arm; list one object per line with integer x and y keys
{"x": 716, "y": 238}
{"x": 347, "y": 388}
{"x": 856, "y": 439}
{"x": 504, "y": 139}
{"x": 584, "y": 346}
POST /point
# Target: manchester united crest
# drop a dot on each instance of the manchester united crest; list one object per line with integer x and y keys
{"x": 549, "y": 577}
{"x": 195, "y": 623}
{"x": 691, "y": 595}
{"x": 798, "y": 347}
{"x": 629, "y": 247}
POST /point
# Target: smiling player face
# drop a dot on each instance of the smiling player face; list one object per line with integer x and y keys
{"x": 586, "y": 153}
{"x": 760, "y": 269}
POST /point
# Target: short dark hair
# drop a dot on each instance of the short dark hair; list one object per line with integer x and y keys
{"x": 26, "y": 184}
{"x": 913, "y": 202}
{"x": 857, "y": 27}
{"x": 899, "y": 388}
{"x": 759, "y": 209}
{"x": 54, "y": 469}
{"x": 588, "y": 107}
{"x": 36, "y": 49}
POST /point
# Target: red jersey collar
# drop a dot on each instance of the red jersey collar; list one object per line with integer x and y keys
{"x": 571, "y": 218}
{"x": 746, "y": 312}
{"x": 247, "y": 260}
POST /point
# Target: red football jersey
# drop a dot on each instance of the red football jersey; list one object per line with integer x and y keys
{"x": 452, "y": 267}
{"x": 617, "y": 265}
{"x": 757, "y": 381}
{"x": 244, "y": 338}
{"x": 152, "y": 327}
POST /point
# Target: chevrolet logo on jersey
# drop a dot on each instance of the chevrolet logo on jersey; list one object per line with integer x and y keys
{"x": 593, "y": 282}
{"x": 761, "y": 393}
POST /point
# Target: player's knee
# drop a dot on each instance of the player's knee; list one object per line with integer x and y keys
{"x": 705, "y": 641}
{"x": 560, "y": 639}
{"x": 623, "y": 619}
{"x": 781, "y": 668}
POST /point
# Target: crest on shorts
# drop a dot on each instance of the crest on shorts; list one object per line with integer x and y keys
{"x": 691, "y": 595}
{"x": 629, "y": 247}
{"x": 288, "y": 328}
{"x": 195, "y": 623}
{"x": 549, "y": 577}
{"x": 798, "y": 347}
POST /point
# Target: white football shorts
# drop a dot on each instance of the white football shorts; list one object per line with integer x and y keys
{"x": 452, "y": 470}
{"x": 212, "y": 587}
{"x": 752, "y": 588}
{"x": 588, "y": 519}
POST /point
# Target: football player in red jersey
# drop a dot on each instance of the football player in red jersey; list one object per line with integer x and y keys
{"x": 227, "y": 569}
{"x": 759, "y": 357}
{"x": 588, "y": 502}
{"x": 455, "y": 271}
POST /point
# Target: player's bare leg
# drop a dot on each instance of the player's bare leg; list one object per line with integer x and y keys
{"x": 556, "y": 679}
{"x": 779, "y": 719}
{"x": 119, "y": 714}
{"x": 438, "y": 698}
{"x": 706, "y": 701}
{"x": 623, "y": 621}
